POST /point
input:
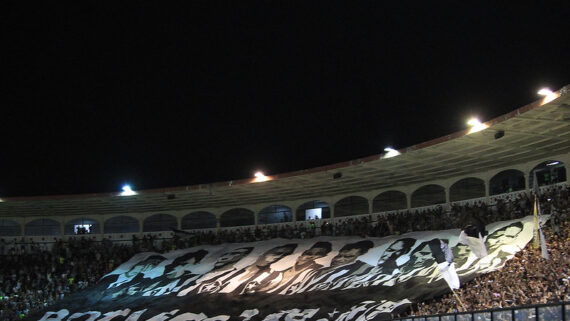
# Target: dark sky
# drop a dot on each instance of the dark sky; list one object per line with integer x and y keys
{"x": 96, "y": 94}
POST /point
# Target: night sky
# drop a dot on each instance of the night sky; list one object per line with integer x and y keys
{"x": 97, "y": 94}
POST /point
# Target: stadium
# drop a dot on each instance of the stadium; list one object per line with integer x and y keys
{"x": 316, "y": 244}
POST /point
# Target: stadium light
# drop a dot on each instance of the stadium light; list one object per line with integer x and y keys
{"x": 390, "y": 152}
{"x": 260, "y": 177}
{"x": 548, "y": 94}
{"x": 476, "y": 125}
{"x": 128, "y": 191}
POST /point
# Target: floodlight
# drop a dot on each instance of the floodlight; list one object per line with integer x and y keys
{"x": 390, "y": 152}
{"x": 545, "y": 92}
{"x": 260, "y": 177}
{"x": 548, "y": 94}
{"x": 128, "y": 191}
{"x": 476, "y": 125}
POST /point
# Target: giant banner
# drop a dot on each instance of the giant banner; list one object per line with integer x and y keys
{"x": 326, "y": 278}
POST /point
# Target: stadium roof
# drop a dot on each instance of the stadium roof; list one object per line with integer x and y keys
{"x": 534, "y": 131}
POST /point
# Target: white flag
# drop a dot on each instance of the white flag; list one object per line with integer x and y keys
{"x": 477, "y": 245}
{"x": 449, "y": 274}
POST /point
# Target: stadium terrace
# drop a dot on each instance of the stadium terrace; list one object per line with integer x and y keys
{"x": 383, "y": 237}
{"x": 455, "y": 168}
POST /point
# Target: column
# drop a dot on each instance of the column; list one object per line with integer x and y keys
{"x": 140, "y": 227}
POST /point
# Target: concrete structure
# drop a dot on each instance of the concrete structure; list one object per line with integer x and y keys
{"x": 499, "y": 159}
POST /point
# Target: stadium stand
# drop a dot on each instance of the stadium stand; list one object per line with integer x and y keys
{"x": 34, "y": 277}
{"x": 51, "y": 249}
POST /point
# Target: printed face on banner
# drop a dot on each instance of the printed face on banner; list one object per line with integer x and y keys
{"x": 421, "y": 263}
{"x": 151, "y": 263}
{"x": 348, "y": 253}
{"x": 423, "y": 257}
{"x": 396, "y": 249}
{"x": 230, "y": 258}
{"x": 461, "y": 254}
{"x": 275, "y": 254}
{"x": 345, "y": 257}
{"x": 317, "y": 251}
{"x": 502, "y": 236}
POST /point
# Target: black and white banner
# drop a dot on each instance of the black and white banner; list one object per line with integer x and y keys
{"x": 325, "y": 278}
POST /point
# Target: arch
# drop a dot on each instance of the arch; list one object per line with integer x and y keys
{"x": 427, "y": 195}
{"x": 467, "y": 188}
{"x": 275, "y": 214}
{"x": 72, "y": 227}
{"x": 548, "y": 173}
{"x": 10, "y": 228}
{"x": 43, "y": 226}
{"x": 237, "y": 217}
{"x": 200, "y": 219}
{"x": 507, "y": 181}
{"x": 389, "y": 201}
{"x": 311, "y": 208}
{"x": 121, "y": 224}
{"x": 159, "y": 222}
{"x": 351, "y": 205}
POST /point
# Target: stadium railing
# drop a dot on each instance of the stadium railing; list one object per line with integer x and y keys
{"x": 542, "y": 312}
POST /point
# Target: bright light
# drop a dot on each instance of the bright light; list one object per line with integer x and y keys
{"x": 260, "y": 177}
{"x": 86, "y": 227}
{"x": 390, "y": 152}
{"x": 313, "y": 214}
{"x": 548, "y": 94}
{"x": 476, "y": 125}
{"x": 545, "y": 92}
{"x": 553, "y": 163}
{"x": 128, "y": 191}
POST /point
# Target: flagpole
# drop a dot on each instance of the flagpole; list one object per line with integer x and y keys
{"x": 459, "y": 300}
{"x": 536, "y": 210}
{"x": 536, "y": 241}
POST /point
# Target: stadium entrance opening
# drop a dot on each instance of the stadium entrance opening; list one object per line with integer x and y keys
{"x": 313, "y": 214}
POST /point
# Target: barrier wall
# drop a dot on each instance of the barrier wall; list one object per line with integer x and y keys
{"x": 555, "y": 311}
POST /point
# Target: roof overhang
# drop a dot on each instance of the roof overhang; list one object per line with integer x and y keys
{"x": 535, "y": 131}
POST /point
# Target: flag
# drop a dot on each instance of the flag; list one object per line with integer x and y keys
{"x": 207, "y": 282}
{"x": 444, "y": 258}
{"x": 448, "y": 273}
{"x": 472, "y": 237}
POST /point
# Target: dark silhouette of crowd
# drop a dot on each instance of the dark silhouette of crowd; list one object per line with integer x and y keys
{"x": 33, "y": 276}
{"x": 516, "y": 205}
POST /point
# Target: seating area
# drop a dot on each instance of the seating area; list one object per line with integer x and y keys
{"x": 35, "y": 275}
{"x": 524, "y": 280}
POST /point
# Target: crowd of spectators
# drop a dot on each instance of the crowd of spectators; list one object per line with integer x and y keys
{"x": 34, "y": 279}
{"x": 526, "y": 279}
{"x": 34, "y": 276}
{"x": 516, "y": 205}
